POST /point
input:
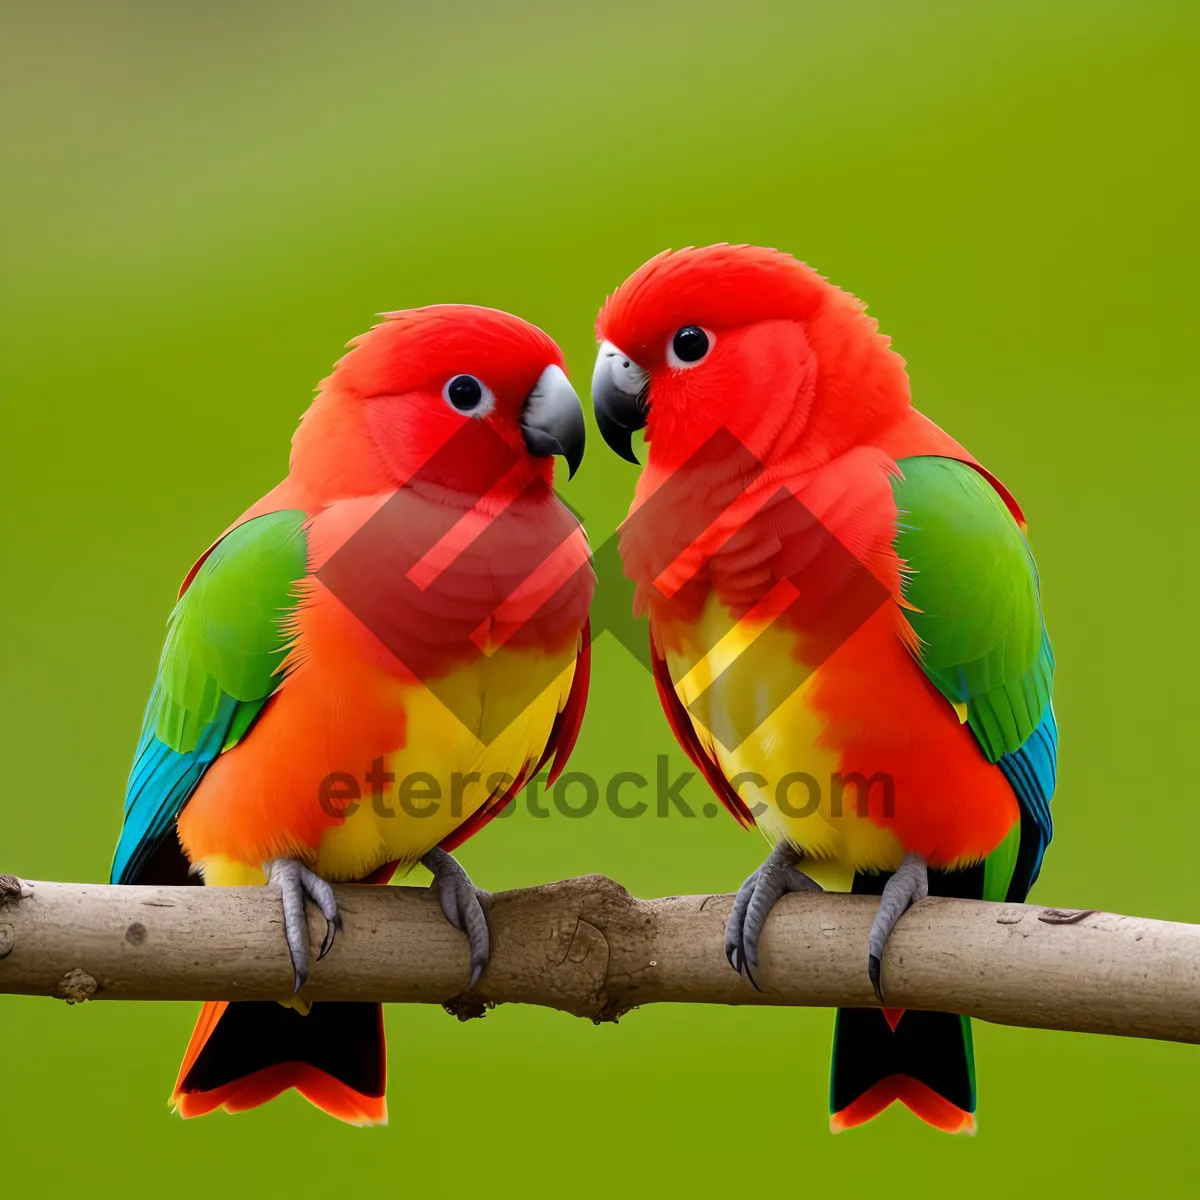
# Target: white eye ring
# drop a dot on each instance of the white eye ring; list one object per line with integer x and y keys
{"x": 701, "y": 339}
{"x": 469, "y": 395}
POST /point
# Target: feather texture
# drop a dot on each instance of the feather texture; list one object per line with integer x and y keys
{"x": 976, "y": 606}
{"x": 226, "y": 641}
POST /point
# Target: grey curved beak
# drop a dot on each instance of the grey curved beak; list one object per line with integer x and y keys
{"x": 619, "y": 398}
{"x": 552, "y": 419}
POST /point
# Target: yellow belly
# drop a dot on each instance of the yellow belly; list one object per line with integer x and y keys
{"x": 781, "y": 732}
{"x": 436, "y": 774}
{"x": 355, "y": 762}
{"x": 444, "y": 773}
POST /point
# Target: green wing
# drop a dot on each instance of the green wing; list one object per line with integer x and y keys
{"x": 974, "y": 585}
{"x": 226, "y": 641}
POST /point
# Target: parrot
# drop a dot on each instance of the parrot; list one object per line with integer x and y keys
{"x": 409, "y": 603}
{"x": 845, "y": 622}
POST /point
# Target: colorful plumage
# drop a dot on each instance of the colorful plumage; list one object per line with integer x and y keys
{"x": 410, "y": 603}
{"x": 847, "y": 637}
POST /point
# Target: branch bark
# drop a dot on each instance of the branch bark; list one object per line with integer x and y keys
{"x": 586, "y": 946}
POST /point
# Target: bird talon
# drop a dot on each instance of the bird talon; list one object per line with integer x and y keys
{"x": 332, "y": 928}
{"x": 753, "y": 904}
{"x": 297, "y": 884}
{"x": 750, "y": 977}
{"x": 908, "y": 884}
{"x": 462, "y": 905}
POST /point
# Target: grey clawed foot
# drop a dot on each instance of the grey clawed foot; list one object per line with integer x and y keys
{"x": 461, "y": 902}
{"x": 297, "y": 884}
{"x": 753, "y": 903}
{"x": 909, "y": 884}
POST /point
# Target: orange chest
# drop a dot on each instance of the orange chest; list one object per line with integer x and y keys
{"x": 844, "y": 746}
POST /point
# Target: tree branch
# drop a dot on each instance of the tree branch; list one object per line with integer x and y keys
{"x": 585, "y": 946}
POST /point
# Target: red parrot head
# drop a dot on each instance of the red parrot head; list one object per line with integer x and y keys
{"x": 744, "y": 339}
{"x": 452, "y": 394}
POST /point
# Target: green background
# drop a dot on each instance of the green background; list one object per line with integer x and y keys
{"x": 204, "y": 202}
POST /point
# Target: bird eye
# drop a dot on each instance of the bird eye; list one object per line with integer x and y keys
{"x": 689, "y": 345}
{"x": 468, "y": 395}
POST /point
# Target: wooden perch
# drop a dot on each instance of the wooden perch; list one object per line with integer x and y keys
{"x": 585, "y": 946}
